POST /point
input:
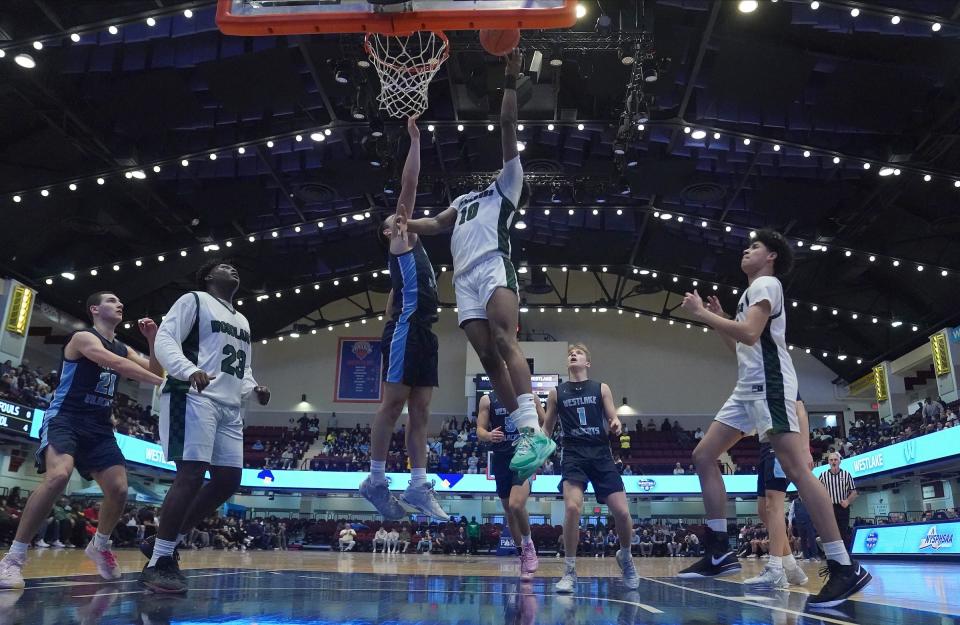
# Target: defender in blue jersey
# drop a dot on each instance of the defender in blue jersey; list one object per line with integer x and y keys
{"x": 501, "y": 435}
{"x": 409, "y": 355}
{"x": 77, "y": 432}
{"x": 586, "y": 413}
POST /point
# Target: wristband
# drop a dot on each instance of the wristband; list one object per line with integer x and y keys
{"x": 510, "y": 82}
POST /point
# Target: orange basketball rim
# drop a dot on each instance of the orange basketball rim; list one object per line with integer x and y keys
{"x": 266, "y": 17}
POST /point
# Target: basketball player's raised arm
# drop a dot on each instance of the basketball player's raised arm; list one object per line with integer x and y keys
{"x": 747, "y": 331}
{"x": 610, "y": 410}
{"x": 92, "y": 349}
{"x": 174, "y": 329}
{"x": 508, "y": 107}
{"x": 389, "y": 306}
{"x": 411, "y": 172}
{"x": 430, "y": 225}
{"x": 148, "y": 328}
{"x": 550, "y": 419}
{"x": 713, "y": 305}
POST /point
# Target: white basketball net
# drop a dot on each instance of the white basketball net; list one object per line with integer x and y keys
{"x": 406, "y": 64}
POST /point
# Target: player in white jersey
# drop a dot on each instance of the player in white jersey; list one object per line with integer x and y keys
{"x": 204, "y": 344}
{"x": 764, "y": 401}
{"x": 486, "y": 283}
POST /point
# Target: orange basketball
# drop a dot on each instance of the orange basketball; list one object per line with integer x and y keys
{"x": 499, "y": 42}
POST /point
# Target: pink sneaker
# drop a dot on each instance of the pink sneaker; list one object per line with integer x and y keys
{"x": 105, "y": 560}
{"x": 528, "y": 562}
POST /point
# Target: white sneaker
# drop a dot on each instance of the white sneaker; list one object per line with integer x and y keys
{"x": 796, "y": 576}
{"x": 567, "y": 583}
{"x": 41, "y": 544}
{"x": 423, "y": 499}
{"x": 104, "y": 559}
{"x": 11, "y": 572}
{"x": 771, "y": 577}
{"x": 58, "y": 544}
{"x": 630, "y": 578}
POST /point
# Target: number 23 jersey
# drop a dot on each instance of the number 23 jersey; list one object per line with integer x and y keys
{"x": 202, "y": 332}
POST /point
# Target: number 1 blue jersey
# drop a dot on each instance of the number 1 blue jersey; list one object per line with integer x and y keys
{"x": 86, "y": 389}
{"x": 580, "y": 408}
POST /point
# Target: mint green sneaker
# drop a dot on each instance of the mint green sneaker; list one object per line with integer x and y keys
{"x": 532, "y": 450}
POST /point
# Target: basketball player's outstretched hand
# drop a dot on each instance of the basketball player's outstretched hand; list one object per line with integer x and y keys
{"x": 200, "y": 380}
{"x": 496, "y": 435}
{"x": 412, "y": 128}
{"x": 616, "y": 427}
{"x": 713, "y": 305}
{"x": 514, "y": 62}
{"x": 148, "y": 328}
{"x": 400, "y": 224}
{"x": 263, "y": 394}
{"x": 692, "y": 303}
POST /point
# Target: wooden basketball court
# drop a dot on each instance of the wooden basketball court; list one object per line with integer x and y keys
{"x": 308, "y": 587}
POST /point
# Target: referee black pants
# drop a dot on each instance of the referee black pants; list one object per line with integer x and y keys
{"x": 842, "y": 515}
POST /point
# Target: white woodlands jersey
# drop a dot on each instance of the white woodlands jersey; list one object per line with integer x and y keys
{"x": 765, "y": 369}
{"x": 484, "y": 218}
{"x": 202, "y": 332}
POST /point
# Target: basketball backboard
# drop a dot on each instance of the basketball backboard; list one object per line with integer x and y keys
{"x": 305, "y": 17}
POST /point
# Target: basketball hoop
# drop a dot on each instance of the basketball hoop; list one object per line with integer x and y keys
{"x": 406, "y": 64}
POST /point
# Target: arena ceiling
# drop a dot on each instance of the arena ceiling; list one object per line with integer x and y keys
{"x": 759, "y": 119}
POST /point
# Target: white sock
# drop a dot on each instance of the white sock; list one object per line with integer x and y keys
{"x": 525, "y": 416}
{"x": 570, "y": 562}
{"x": 527, "y": 540}
{"x": 19, "y": 549}
{"x": 775, "y": 562}
{"x": 837, "y": 552}
{"x": 789, "y": 562}
{"x": 378, "y": 469}
{"x": 418, "y": 476}
{"x": 100, "y": 541}
{"x": 717, "y": 525}
{"x": 162, "y": 548}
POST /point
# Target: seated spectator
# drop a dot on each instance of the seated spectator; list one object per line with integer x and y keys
{"x": 698, "y": 434}
{"x": 628, "y": 470}
{"x": 678, "y": 469}
{"x": 611, "y": 544}
{"x": 674, "y": 540}
{"x": 625, "y": 439}
{"x": 347, "y": 538}
{"x": 393, "y": 540}
{"x": 404, "y": 539}
{"x": 426, "y": 543}
{"x": 665, "y": 426}
{"x": 646, "y": 544}
{"x": 547, "y": 467}
{"x": 472, "y": 463}
{"x": 380, "y": 539}
{"x": 691, "y": 545}
{"x": 651, "y": 426}
{"x": 635, "y": 542}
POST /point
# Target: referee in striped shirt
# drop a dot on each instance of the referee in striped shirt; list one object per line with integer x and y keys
{"x": 842, "y": 491}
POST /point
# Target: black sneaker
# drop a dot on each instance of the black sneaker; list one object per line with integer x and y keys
{"x": 712, "y": 565}
{"x": 146, "y": 548}
{"x": 165, "y": 577}
{"x": 842, "y": 581}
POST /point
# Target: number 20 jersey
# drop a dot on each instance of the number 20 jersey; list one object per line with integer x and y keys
{"x": 202, "y": 332}
{"x": 580, "y": 408}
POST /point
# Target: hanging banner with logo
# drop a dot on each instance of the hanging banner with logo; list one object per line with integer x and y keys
{"x": 917, "y": 539}
{"x": 358, "y": 370}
